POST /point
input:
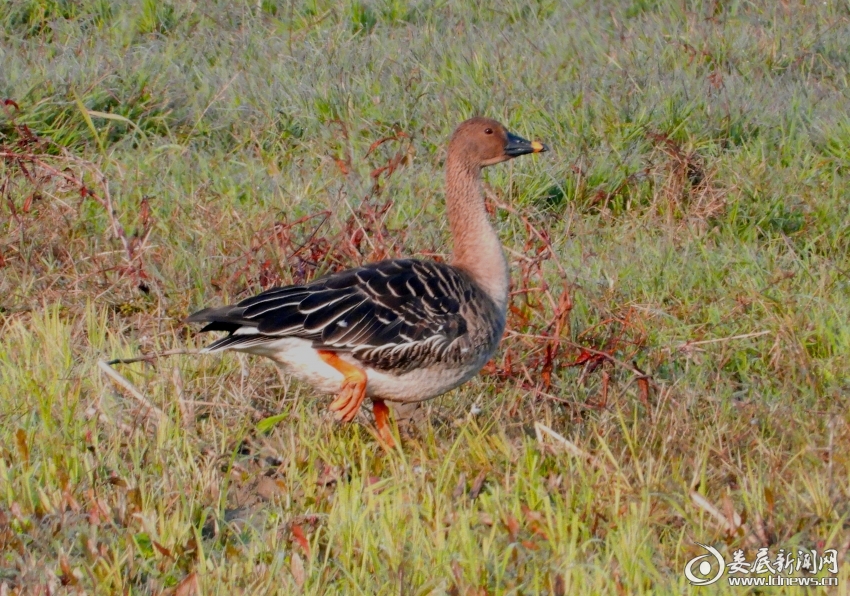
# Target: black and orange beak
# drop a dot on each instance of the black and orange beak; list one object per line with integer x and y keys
{"x": 516, "y": 146}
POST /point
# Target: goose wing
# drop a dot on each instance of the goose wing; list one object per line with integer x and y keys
{"x": 394, "y": 315}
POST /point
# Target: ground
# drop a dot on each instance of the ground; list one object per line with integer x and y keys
{"x": 676, "y": 364}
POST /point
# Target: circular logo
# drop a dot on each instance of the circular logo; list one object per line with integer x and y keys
{"x": 705, "y": 567}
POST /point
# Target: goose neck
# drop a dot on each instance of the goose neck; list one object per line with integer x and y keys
{"x": 477, "y": 249}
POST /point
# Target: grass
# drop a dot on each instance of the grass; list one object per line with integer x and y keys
{"x": 695, "y": 200}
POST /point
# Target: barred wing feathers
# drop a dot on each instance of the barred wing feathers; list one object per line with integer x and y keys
{"x": 394, "y": 315}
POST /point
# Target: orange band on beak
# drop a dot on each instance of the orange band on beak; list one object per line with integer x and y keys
{"x": 537, "y": 146}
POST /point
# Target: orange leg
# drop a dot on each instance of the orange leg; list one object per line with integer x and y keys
{"x": 382, "y": 413}
{"x": 353, "y": 389}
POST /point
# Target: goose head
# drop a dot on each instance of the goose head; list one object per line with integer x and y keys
{"x": 484, "y": 142}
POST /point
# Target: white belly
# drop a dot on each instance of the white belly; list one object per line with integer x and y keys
{"x": 298, "y": 358}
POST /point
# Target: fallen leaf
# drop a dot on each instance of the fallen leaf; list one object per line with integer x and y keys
{"x": 23, "y": 448}
{"x": 188, "y": 586}
{"x": 267, "y": 488}
{"x": 460, "y": 488}
{"x": 477, "y": 485}
{"x": 162, "y": 550}
{"x": 559, "y": 588}
{"x": 296, "y": 566}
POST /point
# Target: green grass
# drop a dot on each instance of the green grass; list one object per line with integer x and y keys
{"x": 696, "y": 197}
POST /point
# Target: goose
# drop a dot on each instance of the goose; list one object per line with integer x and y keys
{"x": 399, "y": 330}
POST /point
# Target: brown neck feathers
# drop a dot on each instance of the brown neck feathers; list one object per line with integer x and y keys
{"x": 477, "y": 249}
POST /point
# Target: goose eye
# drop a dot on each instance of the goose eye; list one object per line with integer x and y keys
{"x": 488, "y": 131}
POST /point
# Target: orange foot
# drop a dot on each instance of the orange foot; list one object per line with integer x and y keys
{"x": 353, "y": 390}
{"x": 382, "y": 413}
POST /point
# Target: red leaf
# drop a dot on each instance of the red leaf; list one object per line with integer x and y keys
{"x": 162, "y": 550}
{"x": 643, "y": 386}
{"x": 380, "y": 142}
{"x": 343, "y": 166}
{"x": 583, "y": 357}
{"x": 512, "y": 526}
{"x": 298, "y": 533}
